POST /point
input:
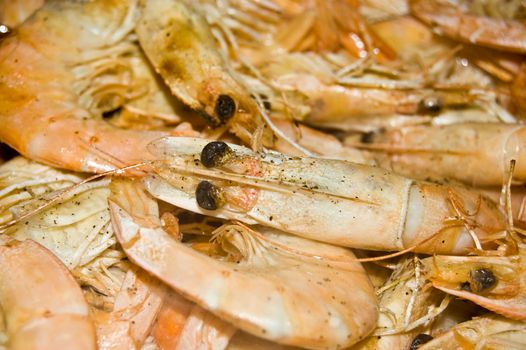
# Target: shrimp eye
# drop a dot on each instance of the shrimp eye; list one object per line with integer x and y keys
{"x": 481, "y": 280}
{"x": 368, "y": 137}
{"x": 4, "y": 31}
{"x": 420, "y": 339}
{"x": 432, "y": 105}
{"x": 225, "y": 107}
{"x": 215, "y": 153}
{"x": 208, "y": 196}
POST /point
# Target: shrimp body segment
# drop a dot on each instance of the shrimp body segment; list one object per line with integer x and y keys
{"x": 286, "y": 289}
{"x": 474, "y": 153}
{"x": 455, "y": 22}
{"x": 42, "y": 304}
{"x": 134, "y": 311}
{"x": 327, "y": 200}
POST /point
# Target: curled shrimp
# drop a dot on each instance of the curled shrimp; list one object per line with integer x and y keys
{"x": 288, "y": 276}
{"x": 457, "y": 22}
{"x": 327, "y": 200}
{"x": 494, "y": 282}
{"x": 474, "y": 153}
{"x": 52, "y": 313}
{"x": 78, "y": 232}
{"x": 46, "y": 103}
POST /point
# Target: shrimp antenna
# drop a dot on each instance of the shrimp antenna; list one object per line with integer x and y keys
{"x": 407, "y": 250}
{"x": 278, "y": 132}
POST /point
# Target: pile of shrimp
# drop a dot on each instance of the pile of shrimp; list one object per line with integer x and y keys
{"x": 262, "y": 174}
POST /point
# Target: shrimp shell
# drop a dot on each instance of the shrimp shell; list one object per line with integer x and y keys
{"x": 42, "y": 304}
{"x": 477, "y": 154}
{"x": 455, "y": 22}
{"x": 272, "y": 294}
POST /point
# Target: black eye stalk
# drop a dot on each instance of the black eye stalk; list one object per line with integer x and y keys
{"x": 420, "y": 339}
{"x": 215, "y": 154}
{"x": 209, "y": 196}
{"x": 431, "y": 105}
{"x": 482, "y": 280}
{"x": 225, "y": 108}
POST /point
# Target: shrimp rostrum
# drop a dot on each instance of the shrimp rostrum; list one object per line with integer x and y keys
{"x": 328, "y": 200}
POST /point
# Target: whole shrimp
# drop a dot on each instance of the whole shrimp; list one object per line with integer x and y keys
{"x": 301, "y": 286}
{"x": 41, "y": 113}
{"x": 58, "y": 77}
{"x": 327, "y": 200}
{"x": 474, "y": 153}
{"x": 181, "y": 47}
{"x": 49, "y": 314}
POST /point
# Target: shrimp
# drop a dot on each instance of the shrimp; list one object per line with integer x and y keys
{"x": 457, "y": 22}
{"x": 333, "y": 90}
{"x": 180, "y": 45}
{"x": 43, "y": 307}
{"x": 317, "y": 91}
{"x": 477, "y": 154}
{"x": 328, "y": 200}
{"x": 485, "y": 332}
{"x": 46, "y": 102}
{"x": 301, "y": 287}
{"x": 78, "y": 232}
{"x": 497, "y": 283}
